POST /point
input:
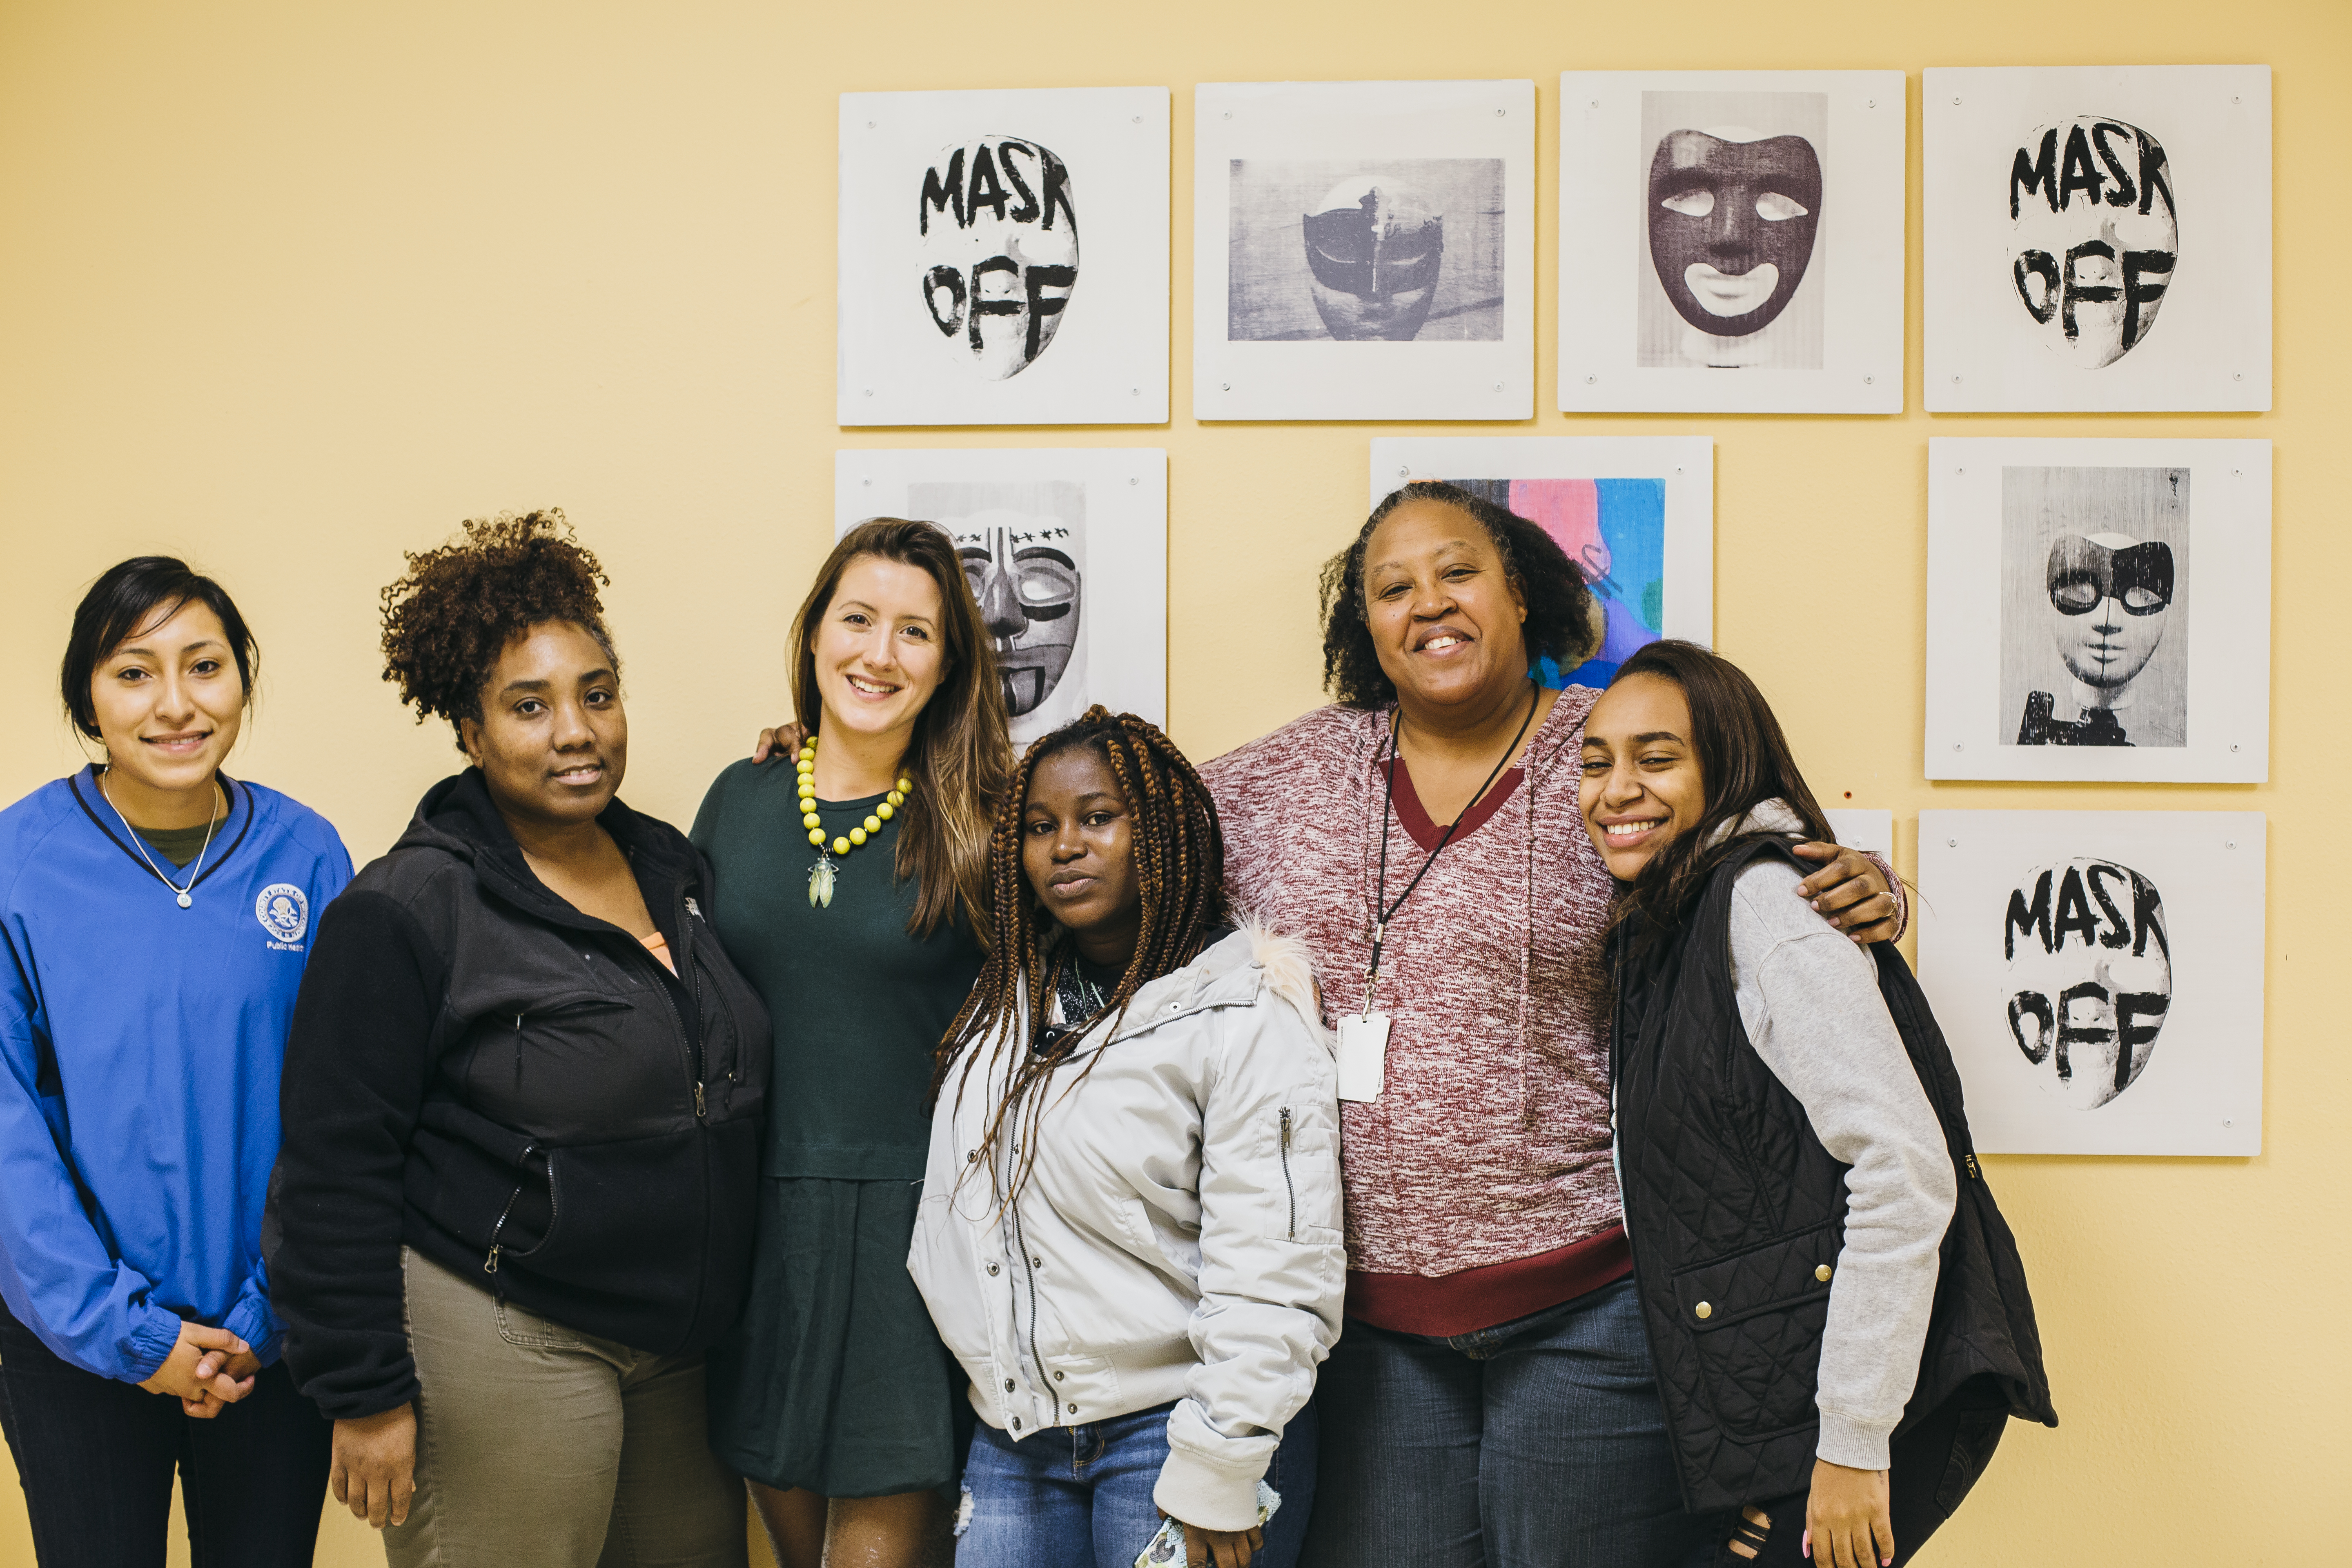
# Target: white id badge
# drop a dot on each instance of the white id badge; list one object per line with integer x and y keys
{"x": 1363, "y": 1055}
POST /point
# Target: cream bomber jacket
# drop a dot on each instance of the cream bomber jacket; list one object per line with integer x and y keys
{"x": 1178, "y": 1235}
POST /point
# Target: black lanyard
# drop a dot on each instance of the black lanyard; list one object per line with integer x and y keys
{"x": 1384, "y": 912}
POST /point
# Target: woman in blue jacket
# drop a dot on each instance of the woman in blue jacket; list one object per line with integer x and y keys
{"x": 155, "y": 913}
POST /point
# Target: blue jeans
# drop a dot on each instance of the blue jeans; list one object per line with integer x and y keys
{"x": 1080, "y": 1497}
{"x": 1535, "y": 1444}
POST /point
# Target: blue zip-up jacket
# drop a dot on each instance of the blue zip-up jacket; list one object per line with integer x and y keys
{"x": 140, "y": 1047}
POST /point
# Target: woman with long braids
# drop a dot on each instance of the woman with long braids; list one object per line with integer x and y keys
{"x": 850, "y": 887}
{"x": 1129, "y": 1231}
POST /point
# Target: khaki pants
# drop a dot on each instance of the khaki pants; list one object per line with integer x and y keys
{"x": 541, "y": 1448}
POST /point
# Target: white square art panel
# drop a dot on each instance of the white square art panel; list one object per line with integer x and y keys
{"x": 2098, "y": 238}
{"x": 2098, "y": 610}
{"x": 1003, "y": 257}
{"x": 1364, "y": 250}
{"x": 2099, "y": 976}
{"x": 1067, "y": 551}
{"x": 1636, "y": 512}
{"x": 1864, "y": 828}
{"x": 1731, "y": 242}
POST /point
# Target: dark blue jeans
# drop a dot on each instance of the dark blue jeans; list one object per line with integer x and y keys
{"x": 96, "y": 1459}
{"x": 1080, "y": 1497}
{"x": 1535, "y": 1444}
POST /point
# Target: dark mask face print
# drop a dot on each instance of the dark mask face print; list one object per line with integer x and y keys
{"x": 1732, "y": 224}
{"x": 1372, "y": 257}
{"x": 2082, "y": 572}
{"x": 2093, "y": 236}
{"x": 1000, "y": 248}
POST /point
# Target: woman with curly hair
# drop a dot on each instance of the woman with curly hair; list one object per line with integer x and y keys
{"x": 853, "y": 887}
{"x": 154, "y": 916}
{"x": 1130, "y": 1227}
{"x": 1492, "y": 1399}
{"x": 524, "y": 1094}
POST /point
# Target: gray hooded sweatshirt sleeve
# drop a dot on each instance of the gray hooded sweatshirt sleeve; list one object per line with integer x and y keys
{"x": 1809, "y": 998}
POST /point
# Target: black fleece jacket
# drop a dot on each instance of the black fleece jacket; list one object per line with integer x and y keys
{"x": 518, "y": 1092}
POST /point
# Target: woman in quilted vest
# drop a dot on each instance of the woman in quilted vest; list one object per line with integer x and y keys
{"x": 1789, "y": 1179}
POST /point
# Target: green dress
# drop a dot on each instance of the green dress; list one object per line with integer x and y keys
{"x": 834, "y": 1379}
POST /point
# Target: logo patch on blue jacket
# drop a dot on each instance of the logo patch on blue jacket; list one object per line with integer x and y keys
{"x": 284, "y": 913}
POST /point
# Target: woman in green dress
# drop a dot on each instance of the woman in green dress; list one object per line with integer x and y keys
{"x": 850, "y": 889}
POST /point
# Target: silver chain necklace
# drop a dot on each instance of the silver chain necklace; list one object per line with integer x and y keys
{"x": 186, "y": 895}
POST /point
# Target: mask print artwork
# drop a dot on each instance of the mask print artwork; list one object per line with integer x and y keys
{"x": 2095, "y": 235}
{"x": 999, "y": 232}
{"x": 2090, "y": 966}
{"x": 1732, "y": 219}
{"x": 1373, "y": 248}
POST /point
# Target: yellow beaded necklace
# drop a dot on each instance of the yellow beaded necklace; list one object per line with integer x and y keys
{"x": 821, "y": 874}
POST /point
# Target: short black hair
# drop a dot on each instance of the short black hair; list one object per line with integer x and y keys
{"x": 128, "y": 596}
{"x": 1559, "y": 607}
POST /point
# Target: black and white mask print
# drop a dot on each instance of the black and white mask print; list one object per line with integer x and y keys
{"x": 1024, "y": 548}
{"x": 1393, "y": 252}
{"x": 2095, "y": 635}
{"x": 1733, "y": 201}
{"x": 999, "y": 229}
{"x": 2090, "y": 973}
{"x": 2095, "y": 235}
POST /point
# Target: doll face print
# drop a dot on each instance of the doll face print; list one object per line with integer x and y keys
{"x": 2110, "y": 597}
{"x": 998, "y": 248}
{"x": 1732, "y": 219}
{"x": 2093, "y": 236}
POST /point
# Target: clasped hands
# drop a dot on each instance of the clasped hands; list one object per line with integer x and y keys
{"x": 208, "y": 1370}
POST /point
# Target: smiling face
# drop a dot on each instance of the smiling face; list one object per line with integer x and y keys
{"x": 552, "y": 740}
{"x": 1732, "y": 219}
{"x": 2110, "y": 596}
{"x": 169, "y": 704}
{"x": 1077, "y": 851}
{"x": 1641, "y": 787}
{"x": 878, "y": 648}
{"x": 1445, "y": 618}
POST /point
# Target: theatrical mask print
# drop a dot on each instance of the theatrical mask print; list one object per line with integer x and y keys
{"x": 1391, "y": 252}
{"x": 2095, "y": 564}
{"x": 1022, "y": 546}
{"x": 2090, "y": 975}
{"x": 999, "y": 231}
{"x": 1732, "y": 209}
{"x": 2095, "y": 235}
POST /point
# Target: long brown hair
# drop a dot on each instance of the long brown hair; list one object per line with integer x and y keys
{"x": 1744, "y": 760}
{"x": 1180, "y": 858}
{"x": 959, "y": 753}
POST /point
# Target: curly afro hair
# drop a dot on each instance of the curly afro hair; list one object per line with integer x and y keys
{"x": 1561, "y": 624}
{"x": 449, "y": 618}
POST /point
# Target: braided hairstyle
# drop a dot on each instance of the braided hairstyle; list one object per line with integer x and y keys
{"x": 1180, "y": 858}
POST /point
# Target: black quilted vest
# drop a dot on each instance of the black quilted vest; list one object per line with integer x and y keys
{"x": 1735, "y": 1213}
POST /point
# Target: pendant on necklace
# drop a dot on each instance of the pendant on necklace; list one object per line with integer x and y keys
{"x": 820, "y": 882}
{"x": 185, "y": 900}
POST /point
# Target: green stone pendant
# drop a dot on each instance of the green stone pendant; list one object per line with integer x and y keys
{"x": 821, "y": 881}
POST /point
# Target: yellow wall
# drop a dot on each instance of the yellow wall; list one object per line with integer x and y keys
{"x": 286, "y": 287}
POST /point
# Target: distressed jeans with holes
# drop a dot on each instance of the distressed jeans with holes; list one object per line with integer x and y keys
{"x": 1080, "y": 1497}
